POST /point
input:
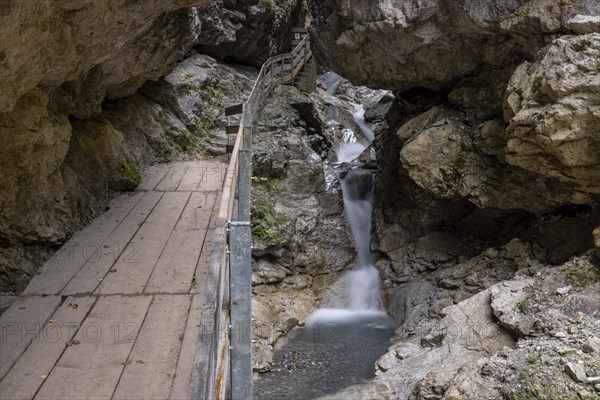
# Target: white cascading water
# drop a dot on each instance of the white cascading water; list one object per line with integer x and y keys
{"x": 349, "y": 149}
{"x": 361, "y": 286}
{"x": 359, "y": 118}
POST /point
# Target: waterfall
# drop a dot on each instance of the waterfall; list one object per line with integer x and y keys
{"x": 349, "y": 149}
{"x": 332, "y": 81}
{"x": 359, "y": 118}
{"x": 357, "y": 293}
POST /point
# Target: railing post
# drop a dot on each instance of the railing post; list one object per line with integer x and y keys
{"x": 240, "y": 267}
{"x": 272, "y": 72}
{"x": 245, "y": 178}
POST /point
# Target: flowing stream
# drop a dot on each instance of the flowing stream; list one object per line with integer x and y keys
{"x": 340, "y": 343}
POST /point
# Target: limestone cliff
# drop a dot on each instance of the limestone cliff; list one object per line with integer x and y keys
{"x": 496, "y": 109}
{"x": 492, "y": 135}
{"x": 78, "y": 118}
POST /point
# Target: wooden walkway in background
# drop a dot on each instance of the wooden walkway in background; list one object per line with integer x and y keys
{"x": 116, "y": 312}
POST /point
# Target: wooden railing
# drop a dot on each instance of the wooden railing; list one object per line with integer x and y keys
{"x": 227, "y": 310}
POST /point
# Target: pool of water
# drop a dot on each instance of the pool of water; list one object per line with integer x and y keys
{"x": 336, "y": 351}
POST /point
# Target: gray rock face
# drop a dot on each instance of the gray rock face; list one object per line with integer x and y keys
{"x": 553, "y": 124}
{"x": 432, "y": 44}
{"x": 94, "y": 49}
{"x": 249, "y": 31}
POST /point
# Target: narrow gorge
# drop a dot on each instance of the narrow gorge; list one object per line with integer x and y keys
{"x": 425, "y": 222}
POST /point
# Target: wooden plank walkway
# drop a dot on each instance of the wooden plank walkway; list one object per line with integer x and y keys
{"x": 116, "y": 313}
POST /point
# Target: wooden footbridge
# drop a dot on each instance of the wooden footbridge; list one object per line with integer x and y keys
{"x": 152, "y": 300}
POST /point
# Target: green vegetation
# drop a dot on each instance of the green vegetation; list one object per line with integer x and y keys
{"x": 183, "y": 142}
{"x": 582, "y": 277}
{"x": 131, "y": 177}
{"x": 522, "y": 306}
{"x": 267, "y": 3}
{"x": 264, "y": 220}
{"x": 533, "y": 358}
{"x": 266, "y": 183}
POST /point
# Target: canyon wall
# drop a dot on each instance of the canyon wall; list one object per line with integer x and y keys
{"x": 488, "y": 164}
{"x": 496, "y": 109}
{"x": 82, "y": 107}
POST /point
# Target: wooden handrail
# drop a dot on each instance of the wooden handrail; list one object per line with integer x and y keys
{"x": 209, "y": 377}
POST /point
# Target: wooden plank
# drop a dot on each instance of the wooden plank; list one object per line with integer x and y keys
{"x": 175, "y": 269}
{"x": 234, "y": 110}
{"x": 25, "y": 378}
{"x": 20, "y": 325}
{"x": 92, "y": 368}
{"x": 232, "y": 130}
{"x": 192, "y": 177}
{"x": 133, "y": 270}
{"x": 183, "y": 374}
{"x": 115, "y": 246}
{"x": 171, "y": 180}
{"x": 63, "y": 265}
{"x": 208, "y": 247}
{"x": 152, "y": 175}
{"x": 212, "y": 179}
{"x": 154, "y": 356}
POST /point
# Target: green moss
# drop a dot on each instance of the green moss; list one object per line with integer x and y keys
{"x": 131, "y": 177}
{"x": 533, "y": 358}
{"x": 266, "y": 3}
{"x": 264, "y": 221}
{"x": 582, "y": 277}
{"x": 183, "y": 142}
{"x": 522, "y": 306}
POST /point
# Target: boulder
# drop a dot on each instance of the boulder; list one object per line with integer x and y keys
{"x": 551, "y": 107}
{"x": 510, "y": 303}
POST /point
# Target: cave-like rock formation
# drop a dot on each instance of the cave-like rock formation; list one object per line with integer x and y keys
{"x": 496, "y": 109}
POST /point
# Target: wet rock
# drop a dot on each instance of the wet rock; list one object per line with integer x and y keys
{"x": 410, "y": 303}
{"x": 262, "y": 357}
{"x": 301, "y": 240}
